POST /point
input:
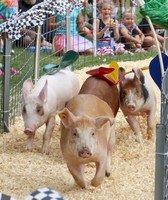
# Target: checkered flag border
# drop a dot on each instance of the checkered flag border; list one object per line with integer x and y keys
{"x": 40, "y": 194}
{"x": 6, "y": 197}
{"x": 36, "y": 16}
{"x": 45, "y": 194}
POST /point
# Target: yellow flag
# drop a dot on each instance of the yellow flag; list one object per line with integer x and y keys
{"x": 114, "y": 75}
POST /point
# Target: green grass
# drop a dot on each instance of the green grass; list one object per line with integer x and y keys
{"x": 24, "y": 61}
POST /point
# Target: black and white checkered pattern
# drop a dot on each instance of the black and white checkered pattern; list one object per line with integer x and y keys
{"x": 40, "y": 194}
{"x": 36, "y": 16}
{"x": 45, "y": 194}
{"x": 6, "y": 197}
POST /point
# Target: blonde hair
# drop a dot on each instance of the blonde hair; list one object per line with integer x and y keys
{"x": 106, "y": 2}
{"x": 128, "y": 12}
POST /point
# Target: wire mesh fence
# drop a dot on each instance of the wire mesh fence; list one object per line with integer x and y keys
{"x": 22, "y": 60}
{"x": 28, "y": 61}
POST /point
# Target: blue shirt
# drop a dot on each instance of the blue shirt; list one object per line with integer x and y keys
{"x": 73, "y": 22}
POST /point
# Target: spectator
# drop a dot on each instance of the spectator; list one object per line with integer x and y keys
{"x": 118, "y": 3}
{"x": 78, "y": 43}
{"x": 133, "y": 5}
{"x": 122, "y": 4}
{"x": 30, "y": 35}
{"x": 145, "y": 28}
{"x": 7, "y": 8}
{"x": 131, "y": 35}
{"x": 85, "y": 22}
{"x": 107, "y": 29}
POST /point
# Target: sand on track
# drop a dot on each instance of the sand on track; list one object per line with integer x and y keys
{"x": 132, "y": 171}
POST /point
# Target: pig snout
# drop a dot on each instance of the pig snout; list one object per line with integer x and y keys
{"x": 85, "y": 153}
{"x": 130, "y": 104}
{"x": 131, "y": 107}
{"x": 28, "y": 131}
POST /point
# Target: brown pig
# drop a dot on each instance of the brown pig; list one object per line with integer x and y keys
{"x": 87, "y": 135}
{"x": 137, "y": 97}
{"x": 103, "y": 90}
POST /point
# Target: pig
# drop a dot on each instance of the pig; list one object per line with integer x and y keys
{"x": 137, "y": 97}
{"x": 87, "y": 135}
{"x": 102, "y": 89}
{"x": 42, "y": 101}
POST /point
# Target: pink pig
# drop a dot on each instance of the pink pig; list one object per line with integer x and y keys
{"x": 42, "y": 101}
{"x": 137, "y": 97}
{"x": 87, "y": 135}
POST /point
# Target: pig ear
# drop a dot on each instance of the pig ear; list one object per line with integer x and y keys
{"x": 122, "y": 71}
{"x": 67, "y": 117}
{"x": 27, "y": 87}
{"x": 121, "y": 77}
{"x": 43, "y": 93}
{"x": 100, "y": 121}
{"x": 138, "y": 75}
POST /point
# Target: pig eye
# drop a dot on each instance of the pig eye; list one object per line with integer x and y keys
{"x": 75, "y": 133}
{"x": 92, "y": 132}
{"x": 24, "y": 110}
{"x": 137, "y": 91}
{"x": 123, "y": 93}
{"x": 39, "y": 110}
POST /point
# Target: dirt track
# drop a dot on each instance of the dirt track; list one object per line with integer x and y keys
{"x": 132, "y": 173}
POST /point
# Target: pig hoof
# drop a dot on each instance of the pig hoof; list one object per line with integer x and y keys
{"x": 150, "y": 134}
{"x": 28, "y": 148}
{"x": 107, "y": 174}
{"x": 44, "y": 151}
{"x": 138, "y": 138}
{"x": 81, "y": 184}
{"x": 95, "y": 183}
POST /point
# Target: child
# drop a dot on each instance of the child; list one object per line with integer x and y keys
{"x": 78, "y": 43}
{"x": 84, "y": 21}
{"x": 107, "y": 29}
{"x": 131, "y": 35}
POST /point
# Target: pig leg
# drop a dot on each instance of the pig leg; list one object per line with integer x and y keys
{"x": 77, "y": 173}
{"x": 134, "y": 124}
{"x": 109, "y": 152}
{"x": 150, "y": 125}
{"x": 30, "y": 140}
{"x": 47, "y": 135}
{"x": 100, "y": 173}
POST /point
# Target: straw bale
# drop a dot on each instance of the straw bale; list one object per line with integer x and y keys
{"x": 133, "y": 164}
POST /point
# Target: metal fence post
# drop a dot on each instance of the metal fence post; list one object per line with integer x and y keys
{"x": 166, "y": 42}
{"x": 94, "y": 28}
{"x": 6, "y": 83}
{"x": 161, "y": 163}
{"x": 68, "y": 30}
{"x": 37, "y": 54}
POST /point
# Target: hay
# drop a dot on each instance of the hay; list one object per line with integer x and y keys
{"x": 133, "y": 164}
